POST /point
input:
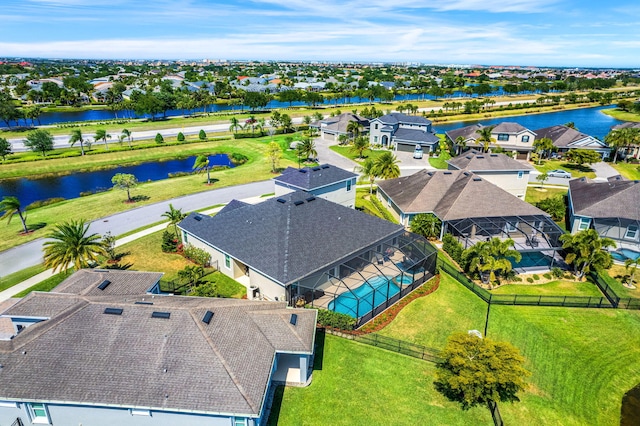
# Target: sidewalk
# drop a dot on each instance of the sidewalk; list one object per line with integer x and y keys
{"x": 36, "y": 279}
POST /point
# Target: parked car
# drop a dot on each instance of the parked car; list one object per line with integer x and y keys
{"x": 559, "y": 173}
{"x": 417, "y": 153}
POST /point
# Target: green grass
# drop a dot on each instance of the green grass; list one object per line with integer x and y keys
{"x": 441, "y": 161}
{"x": 582, "y": 360}
{"x": 226, "y": 286}
{"x": 622, "y": 115}
{"x": 355, "y": 384}
{"x": 628, "y": 170}
{"x": 575, "y": 170}
{"x": 553, "y": 288}
{"x": 10, "y": 280}
{"x": 371, "y": 205}
{"x": 535, "y": 194}
{"x": 46, "y": 285}
{"x": 614, "y": 278}
{"x": 346, "y": 151}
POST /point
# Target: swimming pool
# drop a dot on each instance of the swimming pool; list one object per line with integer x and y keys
{"x": 530, "y": 259}
{"x": 623, "y": 254}
{"x": 361, "y": 300}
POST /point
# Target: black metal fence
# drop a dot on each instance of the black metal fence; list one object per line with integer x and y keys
{"x": 607, "y": 290}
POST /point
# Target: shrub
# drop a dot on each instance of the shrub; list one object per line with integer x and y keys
{"x": 336, "y": 320}
{"x": 238, "y": 159}
{"x": 202, "y": 135}
{"x": 536, "y": 277}
{"x": 197, "y": 255}
{"x": 517, "y": 279}
{"x": 43, "y": 203}
{"x": 452, "y": 247}
{"x": 556, "y": 272}
{"x": 180, "y": 137}
{"x": 159, "y": 138}
{"x": 530, "y": 280}
{"x": 169, "y": 242}
{"x": 547, "y": 276}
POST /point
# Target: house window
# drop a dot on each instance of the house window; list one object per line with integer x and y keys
{"x": 520, "y": 175}
{"x": 525, "y": 139}
{"x": 38, "y": 413}
{"x": 227, "y": 261}
{"x": 376, "y": 126}
{"x": 584, "y": 223}
{"x": 375, "y": 139}
{"x": 503, "y": 137}
{"x": 632, "y": 232}
{"x": 8, "y": 404}
{"x": 349, "y": 185}
{"x": 139, "y": 412}
{"x": 184, "y": 237}
{"x": 239, "y": 421}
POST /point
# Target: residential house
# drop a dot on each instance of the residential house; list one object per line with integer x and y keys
{"x": 303, "y": 249}
{"x": 612, "y": 208}
{"x": 473, "y": 209}
{"x": 403, "y": 132}
{"x": 565, "y": 138}
{"x": 499, "y": 169}
{"x": 632, "y": 151}
{"x": 332, "y": 127}
{"x": 511, "y": 137}
{"x": 96, "y": 357}
{"x": 325, "y": 181}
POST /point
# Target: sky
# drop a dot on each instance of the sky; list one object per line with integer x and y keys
{"x": 565, "y": 33}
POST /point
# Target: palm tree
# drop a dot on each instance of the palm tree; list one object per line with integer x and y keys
{"x": 174, "y": 215}
{"x": 368, "y": 169}
{"x": 461, "y": 143}
{"x": 427, "y": 225}
{"x": 307, "y": 149}
{"x": 235, "y": 125}
{"x": 102, "y": 134}
{"x": 387, "y": 166}
{"x": 620, "y": 138}
{"x": 76, "y": 136}
{"x": 354, "y": 129}
{"x": 11, "y": 206}
{"x": 70, "y": 244}
{"x": 632, "y": 264}
{"x": 485, "y": 138}
{"x": 586, "y": 250}
{"x": 543, "y": 145}
{"x": 360, "y": 145}
{"x": 201, "y": 164}
{"x": 127, "y": 133}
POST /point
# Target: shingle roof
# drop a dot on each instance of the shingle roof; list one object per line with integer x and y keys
{"x": 340, "y": 122}
{"x": 453, "y": 195}
{"x": 475, "y": 161}
{"x": 397, "y": 117}
{"x": 86, "y": 282}
{"x": 415, "y": 135}
{"x": 617, "y": 197}
{"x": 289, "y": 237}
{"x": 563, "y": 136}
{"x": 310, "y": 178}
{"x": 467, "y": 132}
{"x": 626, "y": 124}
{"x": 85, "y": 356}
{"x": 509, "y": 127}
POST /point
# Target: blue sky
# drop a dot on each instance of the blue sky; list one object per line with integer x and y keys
{"x": 579, "y": 33}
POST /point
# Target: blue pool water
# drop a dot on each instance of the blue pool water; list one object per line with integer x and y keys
{"x": 624, "y": 254}
{"x": 530, "y": 259}
{"x": 347, "y": 303}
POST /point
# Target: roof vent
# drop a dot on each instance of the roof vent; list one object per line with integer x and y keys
{"x": 207, "y": 317}
{"x": 493, "y": 155}
{"x": 113, "y": 311}
{"x": 303, "y": 170}
{"x": 163, "y": 315}
{"x": 104, "y": 284}
{"x": 299, "y": 202}
{"x": 294, "y": 319}
{"x": 315, "y": 169}
{"x": 466, "y": 174}
{"x": 326, "y": 166}
{"x": 447, "y": 173}
{"x": 143, "y": 303}
{"x": 480, "y": 157}
{"x": 198, "y": 217}
{"x": 468, "y": 157}
{"x": 310, "y": 199}
{"x": 476, "y": 179}
{"x": 281, "y": 200}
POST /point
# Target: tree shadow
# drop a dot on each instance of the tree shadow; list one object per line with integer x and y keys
{"x": 35, "y": 226}
{"x": 119, "y": 266}
{"x": 276, "y": 405}
{"x": 213, "y": 181}
{"x": 138, "y": 198}
{"x": 577, "y": 167}
{"x": 318, "y": 357}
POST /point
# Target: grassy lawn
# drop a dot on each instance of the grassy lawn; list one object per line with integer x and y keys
{"x": 17, "y": 277}
{"x": 553, "y": 288}
{"x": 46, "y": 285}
{"x": 574, "y": 169}
{"x": 346, "y": 151}
{"x": 615, "y": 276}
{"x": 582, "y": 360}
{"x": 370, "y": 204}
{"x": 622, "y": 115}
{"x": 355, "y": 384}
{"x": 535, "y": 194}
{"x": 628, "y": 170}
{"x": 440, "y": 162}
{"x": 110, "y": 202}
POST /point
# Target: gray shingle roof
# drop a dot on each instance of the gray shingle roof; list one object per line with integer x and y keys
{"x": 310, "y": 178}
{"x": 563, "y": 137}
{"x": 288, "y": 242}
{"x": 475, "y": 161}
{"x": 415, "y": 136}
{"x": 85, "y": 356}
{"x": 453, "y": 195}
{"x": 339, "y": 123}
{"x": 467, "y": 132}
{"x": 399, "y": 118}
{"x": 626, "y": 124}
{"x": 86, "y": 282}
{"x": 509, "y": 127}
{"x": 617, "y": 197}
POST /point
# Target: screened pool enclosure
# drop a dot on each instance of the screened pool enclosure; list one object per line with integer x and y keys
{"x": 371, "y": 281}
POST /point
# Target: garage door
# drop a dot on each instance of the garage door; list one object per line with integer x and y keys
{"x": 406, "y": 147}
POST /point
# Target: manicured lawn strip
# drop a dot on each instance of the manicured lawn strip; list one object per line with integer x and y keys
{"x": 622, "y": 115}
{"x": 535, "y": 195}
{"x": 347, "y": 151}
{"x": 46, "y": 285}
{"x": 17, "y": 277}
{"x": 370, "y": 205}
{"x": 628, "y": 170}
{"x": 440, "y": 162}
{"x": 582, "y": 360}
{"x": 574, "y": 169}
{"x": 364, "y": 385}
{"x": 110, "y": 202}
{"x": 553, "y": 288}
{"x": 615, "y": 276}
{"x": 226, "y": 286}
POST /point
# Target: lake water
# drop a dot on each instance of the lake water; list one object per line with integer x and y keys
{"x": 70, "y": 186}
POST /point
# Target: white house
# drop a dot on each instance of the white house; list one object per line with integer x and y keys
{"x": 403, "y": 132}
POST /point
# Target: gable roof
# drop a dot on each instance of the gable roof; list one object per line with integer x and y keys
{"x": 509, "y": 127}
{"x": 399, "y": 118}
{"x": 453, "y": 195}
{"x": 87, "y": 281}
{"x": 467, "y": 132}
{"x": 475, "y": 162}
{"x": 291, "y": 237}
{"x": 340, "y": 122}
{"x": 415, "y": 135}
{"x": 565, "y": 137}
{"x": 626, "y": 124}
{"x": 310, "y": 178}
{"x": 617, "y": 197}
{"x": 184, "y": 363}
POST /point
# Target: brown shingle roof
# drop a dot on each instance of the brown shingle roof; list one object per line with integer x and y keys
{"x": 86, "y": 282}
{"x": 474, "y": 161}
{"x": 617, "y": 197}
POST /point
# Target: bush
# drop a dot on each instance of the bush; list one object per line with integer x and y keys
{"x": 180, "y": 137}
{"x": 547, "y": 276}
{"x": 159, "y": 138}
{"x": 169, "y": 242}
{"x": 536, "y": 277}
{"x": 43, "y": 203}
{"x": 530, "y": 280}
{"x": 452, "y": 247}
{"x": 517, "y": 279}
{"x": 336, "y": 320}
{"x": 556, "y": 272}
{"x": 238, "y": 159}
{"x": 202, "y": 135}
{"x": 197, "y": 255}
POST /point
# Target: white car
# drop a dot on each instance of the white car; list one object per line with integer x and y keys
{"x": 417, "y": 153}
{"x": 559, "y": 173}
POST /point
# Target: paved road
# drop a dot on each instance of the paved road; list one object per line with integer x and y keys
{"x": 30, "y": 254}
{"x": 603, "y": 171}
